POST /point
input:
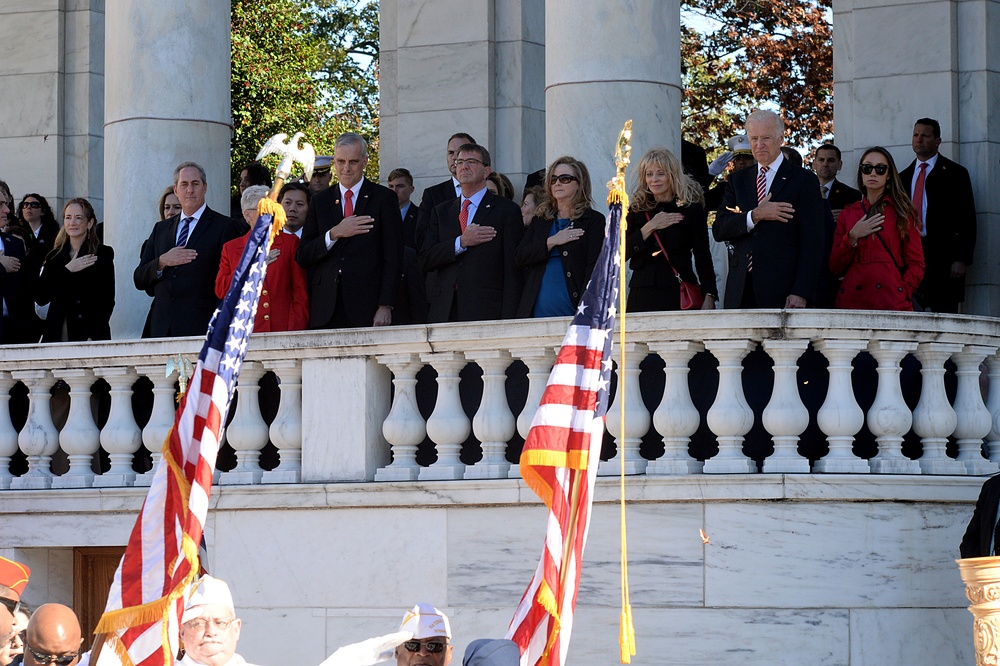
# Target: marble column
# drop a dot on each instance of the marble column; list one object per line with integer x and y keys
{"x": 166, "y": 102}
{"x": 8, "y": 435}
{"x": 840, "y": 418}
{"x": 606, "y": 62}
{"x": 974, "y": 420}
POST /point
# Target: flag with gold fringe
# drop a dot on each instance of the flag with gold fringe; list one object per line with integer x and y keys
{"x": 141, "y": 621}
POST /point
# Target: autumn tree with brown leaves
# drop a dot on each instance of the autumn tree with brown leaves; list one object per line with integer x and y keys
{"x": 743, "y": 55}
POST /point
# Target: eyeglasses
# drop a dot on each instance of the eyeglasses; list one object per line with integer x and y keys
{"x": 880, "y": 169}
{"x": 11, "y": 605}
{"x": 432, "y": 647}
{"x": 470, "y": 162}
{"x": 565, "y": 179}
{"x": 200, "y": 624}
{"x": 31, "y": 204}
{"x": 61, "y": 659}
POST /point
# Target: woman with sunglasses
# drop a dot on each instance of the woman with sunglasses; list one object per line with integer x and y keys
{"x": 666, "y": 226}
{"x": 77, "y": 280}
{"x": 876, "y": 246}
{"x": 561, "y": 245}
{"x": 34, "y": 213}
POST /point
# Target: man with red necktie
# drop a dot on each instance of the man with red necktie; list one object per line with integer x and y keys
{"x": 941, "y": 191}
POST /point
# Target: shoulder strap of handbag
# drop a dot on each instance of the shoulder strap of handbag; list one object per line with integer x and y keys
{"x": 663, "y": 251}
{"x": 878, "y": 235}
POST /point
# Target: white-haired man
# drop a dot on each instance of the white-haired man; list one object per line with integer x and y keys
{"x": 209, "y": 626}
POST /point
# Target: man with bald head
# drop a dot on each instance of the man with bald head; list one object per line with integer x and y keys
{"x": 13, "y": 580}
{"x": 53, "y": 637}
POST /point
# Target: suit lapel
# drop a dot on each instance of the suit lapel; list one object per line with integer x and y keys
{"x": 364, "y": 196}
{"x": 199, "y": 229}
{"x": 780, "y": 178}
{"x": 485, "y": 210}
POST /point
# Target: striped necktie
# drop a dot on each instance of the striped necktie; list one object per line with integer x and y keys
{"x": 182, "y": 237}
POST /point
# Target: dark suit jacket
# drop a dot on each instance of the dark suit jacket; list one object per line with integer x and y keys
{"x": 976, "y": 542}
{"x": 787, "y": 256}
{"x": 485, "y": 279}
{"x": 410, "y": 226}
{"x": 367, "y": 266}
{"x": 184, "y": 296}
{"x": 11, "y": 291}
{"x": 695, "y": 163}
{"x": 83, "y": 301}
{"x": 578, "y": 258}
{"x": 841, "y": 195}
{"x": 433, "y": 196}
{"x": 951, "y": 231}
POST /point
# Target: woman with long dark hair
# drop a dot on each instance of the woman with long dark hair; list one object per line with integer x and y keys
{"x": 666, "y": 229}
{"x": 77, "y": 280}
{"x": 876, "y": 246}
{"x": 561, "y": 245}
{"x": 34, "y": 213}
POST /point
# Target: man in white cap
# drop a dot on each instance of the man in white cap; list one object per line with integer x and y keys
{"x": 431, "y": 642}
{"x": 209, "y": 626}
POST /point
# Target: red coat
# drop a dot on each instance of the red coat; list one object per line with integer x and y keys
{"x": 871, "y": 277}
{"x": 284, "y": 300}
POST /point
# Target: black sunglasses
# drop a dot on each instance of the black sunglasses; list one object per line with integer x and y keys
{"x": 31, "y": 204}
{"x": 880, "y": 169}
{"x": 431, "y": 646}
{"x": 61, "y": 659}
{"x": 10, "y": 604}
{"x": 565, "y": 179}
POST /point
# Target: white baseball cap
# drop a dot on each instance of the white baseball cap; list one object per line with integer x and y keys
{"x": 207, "y": 591}
{"x": 425, "y": 621}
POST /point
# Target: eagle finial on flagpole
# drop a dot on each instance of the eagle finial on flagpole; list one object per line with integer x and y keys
{"x": 290, "y": 152}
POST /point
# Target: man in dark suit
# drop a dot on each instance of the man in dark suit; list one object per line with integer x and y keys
{"x": 827, "y": 164}
{"x": 772, "y": 215}
{"x": 941, "y": 191}
{"x": 979, "y": 539}
{"x": 352, "y": 245}
{"x": 438, "y": 194}
{"x": 181, "y": 258}
{"x": 401, "y": 182}
{"x": 14, "y": 303}
{"x": 469, "y": 248}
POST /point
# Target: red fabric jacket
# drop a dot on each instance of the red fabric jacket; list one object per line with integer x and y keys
{"x": 284, "y": 300}
{"x": 871, "y": 277}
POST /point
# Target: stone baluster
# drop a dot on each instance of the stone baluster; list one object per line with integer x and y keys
{"x": 161, "y": 418}
{"x": 637, "y": 418}
{"x": 493, "y": 423}
{"x": 730, "y": 417}
{"x": 247, "y": 433}
{"x": 539, "y": 362}
{"x": 286, "y": 429}
{"x": 676, "y": 418}
{"x": 785, "y": 417}
{"x": 974, "y": 421}
{"x": 934, "y": 419}
{"x": 404, "y": 427}
{"x": 993, "y": 405}
{"x": 840, "y": 417}
{"x": 120, "y": 437}
{"x": 39, "y": 438}
{"x": 8, "y": 434}
{"x": 889, "y": 419}
{"x": 448, "y": 426}
{"x": 80, "y": 438}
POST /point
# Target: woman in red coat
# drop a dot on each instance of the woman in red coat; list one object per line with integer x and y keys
{"x": 876, "y": 247}
{"x": 284, "y": 301}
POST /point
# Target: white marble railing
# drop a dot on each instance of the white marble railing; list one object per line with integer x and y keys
{"x": 360, "y": 393}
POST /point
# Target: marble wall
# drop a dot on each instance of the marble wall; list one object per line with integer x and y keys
{"x": 840, "y": 570}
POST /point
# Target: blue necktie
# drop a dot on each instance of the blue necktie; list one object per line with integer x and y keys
{"x": 182, "y": 237}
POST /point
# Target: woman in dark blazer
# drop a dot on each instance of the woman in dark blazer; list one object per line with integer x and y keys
{"x": 77, "y": 281}
{"x": 562, "y": 243}
{"x": 666, "y": 205}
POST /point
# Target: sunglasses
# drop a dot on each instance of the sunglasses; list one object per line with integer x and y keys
{"x": 431, "y": 646}
{"x": 31, "y": 204}
{"x": 565, "y": 179}
{"x": 61, "y": 659}
{"x": 10, "y": 604}
{"x": 880, "y": 169}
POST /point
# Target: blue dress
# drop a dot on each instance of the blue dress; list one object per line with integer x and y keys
{"x": 553, "y": 298}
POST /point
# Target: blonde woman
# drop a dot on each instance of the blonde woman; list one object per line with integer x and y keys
{"x": 666, "y": 229}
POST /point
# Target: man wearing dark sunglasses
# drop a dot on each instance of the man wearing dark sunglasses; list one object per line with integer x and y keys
{"x": 13, "y": 580}
{"x": 431, "y": 642}
{"x": 53, "y": 637}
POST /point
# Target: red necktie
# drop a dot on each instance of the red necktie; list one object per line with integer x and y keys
{"x": 762, "y": 184}
{"x": 348, "y": 203}
{"x": 463, "y": 217}
{"x": 918, "y": 193}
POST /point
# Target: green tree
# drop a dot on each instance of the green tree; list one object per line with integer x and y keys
{"x": 739, "y": 56}
{"x": 295, "y": 68}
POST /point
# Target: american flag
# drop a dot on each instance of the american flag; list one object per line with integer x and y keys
{"x": 142, "y": 618}
{"x": 560, "y": 458}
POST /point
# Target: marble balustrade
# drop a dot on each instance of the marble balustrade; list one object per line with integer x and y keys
{"x": 705, "y": 393}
